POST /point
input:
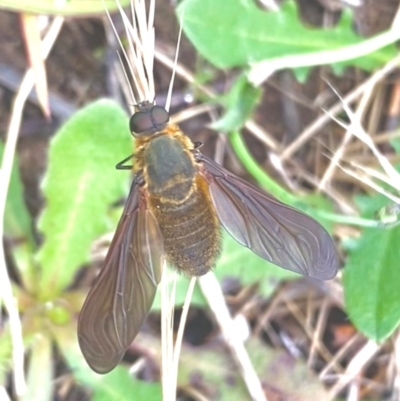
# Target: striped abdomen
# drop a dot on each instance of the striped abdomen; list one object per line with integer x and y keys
{"x": 180, "y": 201}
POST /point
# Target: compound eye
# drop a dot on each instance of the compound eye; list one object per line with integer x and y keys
{"x": 141, "y": 122}
{"x": 148, "y": 120}
{"x": 159, "y": 116}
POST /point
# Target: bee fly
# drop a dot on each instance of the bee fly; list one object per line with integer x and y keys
{"x": 177, "y": 204}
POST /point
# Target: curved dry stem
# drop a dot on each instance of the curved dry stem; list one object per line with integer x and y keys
{"x": 5, "y": 174}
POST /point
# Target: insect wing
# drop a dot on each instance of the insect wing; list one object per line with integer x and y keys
{"x": 123, "y": 293}
{"x": 272, "y": 230}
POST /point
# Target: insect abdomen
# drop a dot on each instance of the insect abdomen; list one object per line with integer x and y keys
{"x": 192, "y": 240}
{"x": 181, "y": 203}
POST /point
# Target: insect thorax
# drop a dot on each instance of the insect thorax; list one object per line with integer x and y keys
{"x": 169, "y": 167}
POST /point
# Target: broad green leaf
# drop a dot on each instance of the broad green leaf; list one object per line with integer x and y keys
{"x": 63, "y": 7}
{"x": 239, "y": 103}
{"x": 371, "y": 278}
{"x": 239, "y": 34}
{"x": 80, "y": 185}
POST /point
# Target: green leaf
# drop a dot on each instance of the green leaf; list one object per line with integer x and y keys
{"x": 18, "y": 225}
{"x": 118, "y": 385}
{"x": 370, "y": 205}
{"x": 239, "y": 102}
{"x": 395, "y": 142}
{"x": 389, "y": 215}
{"x": 63, "y": 7}
{"x": 371, "y": 277}
{"x": 17, "y": 220}
{"x": 239, "y": 33}
{"x": 79, "y": 186}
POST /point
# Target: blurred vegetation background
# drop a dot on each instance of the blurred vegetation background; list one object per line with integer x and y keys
{"x": 303, "y": 101}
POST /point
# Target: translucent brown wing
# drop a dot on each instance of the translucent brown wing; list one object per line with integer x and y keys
{"x": 123, "y": 293}
{"x": 272, "y": 230}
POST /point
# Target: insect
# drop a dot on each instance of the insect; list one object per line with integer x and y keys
{"x": 178, "y": 202}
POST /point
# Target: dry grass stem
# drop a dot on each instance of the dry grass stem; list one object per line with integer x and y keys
{"x": 31, "y": 29}
{"x": 319, "y": 123}
{"x": 318, "y": 332}
{"x": 340, "y": 151}
{"x": 364, "y": 174}
{"x": 5, "y": 174}
{"x": 266, "y": 316}
{"x": 188, "y": 76}
{"x": 342, "y": 352}
{"x": 167, "y": 341}
{"x": 171, "y": 83}
{"x": 191, "y": 112}
{"x": 140, "y": 54}
{"x": 213, "y": 293}
{"x": 3, "y": 394}
{"x": 181, "y": 329}
{"x": 354, "y": 368}
{"x": 357, "y": 129}
{"x": 309, "y": 330}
